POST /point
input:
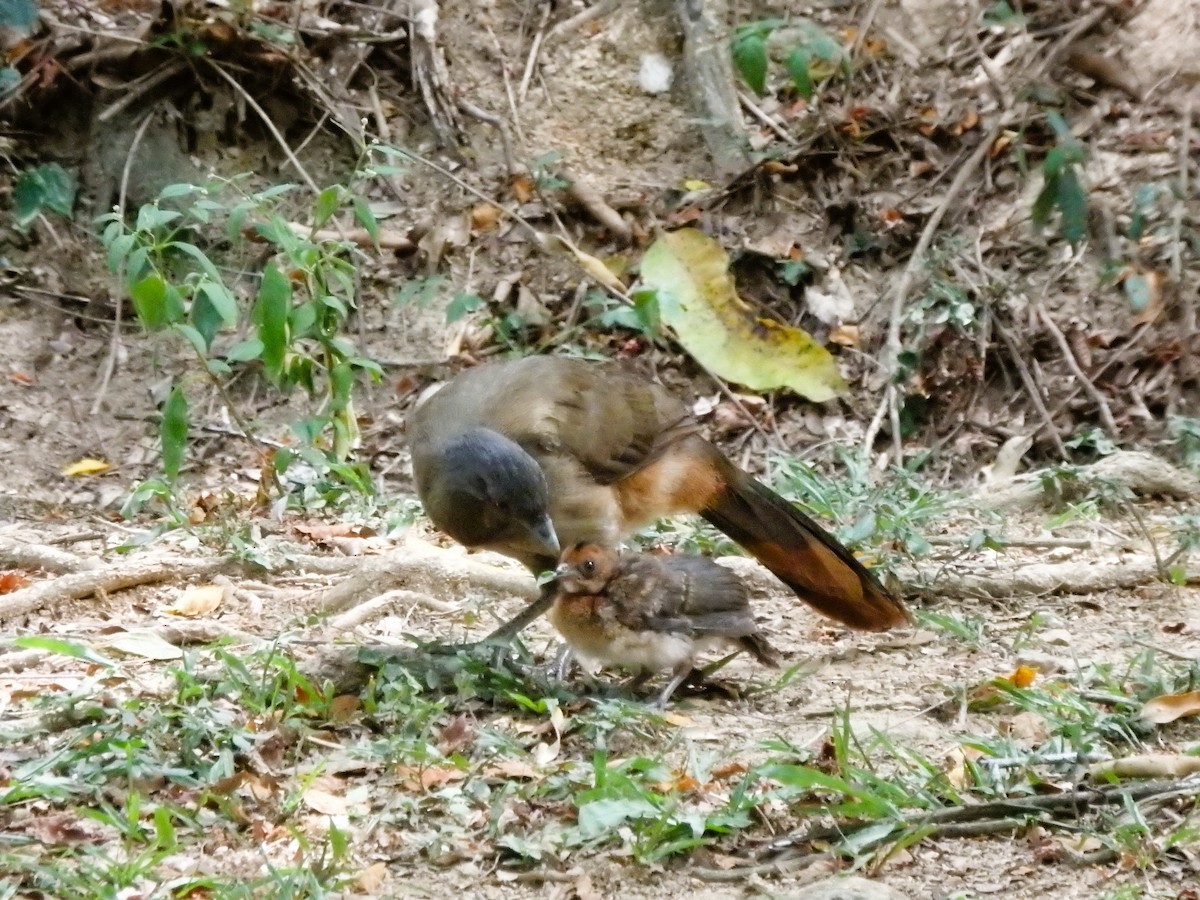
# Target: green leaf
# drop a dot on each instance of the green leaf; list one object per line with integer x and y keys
{"x": 201, "y": 258}
{"x": 461, "y": 305}
{"x": 171, "y": 191}
{"x": 173, "y": 432}
{"x": 192, "y": 336}
{"x": 645, "y": 304}
{"x": 205, "y": 318}
{"x": 150, "y": 301}
{"x": 798, "y": 63}
{"x": 118, "y": 250}
{"x": 61, "y": 647}
{"x": 150, "y": 217}
{"x": 602, "y": 816}
{"x": 750, "y": 58}
{"x": 48, "y": 186}
{"x": 244, "y": 351}
{"x": 689, "y": 271}
{"x": 366, "y": 218}
{"x": 10, "y": 79}
{"x": 325, "y": 206}
{"x": 341, "y": 384}
{"x": 223, "y": 301}
{"x": 1072, "y": 203}
{"x": 270, "y": 316}
{"x": 1043, "y": 205}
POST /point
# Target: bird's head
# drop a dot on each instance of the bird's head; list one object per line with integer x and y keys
{"x": 486, "y": 491}
{"x": 586, "y": 568}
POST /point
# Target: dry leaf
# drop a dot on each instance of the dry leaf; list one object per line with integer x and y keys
{"x": 677, "y": 719}
{"x": 143, "y": 644}
{"x": 484, "y": 217}
{"x": 198, "y": 600}
{"x": 1023, "y": 677}
{"x": 697, "y": 298}
{"x": 343, "y": 707}
{"x": 12, "y": 581}
{"x": 844, "y": 335}
{"x": 324, "y": 802}
{"x": 513, "y": 768}
{"x": 370, "y": 879}
{"x": 86, "y": 466}
{"x": 1168, "y": 707}
{"x": 422, "y": 779}
{"x": 523, "y": 188}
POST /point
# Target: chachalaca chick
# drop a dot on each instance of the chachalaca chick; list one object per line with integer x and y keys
{"x": 530, "y": 455}
{"x": 648, "y": 613}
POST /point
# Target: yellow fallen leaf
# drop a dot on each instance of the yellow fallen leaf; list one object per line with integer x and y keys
{"x": 199, "y": 600}
{"x": 86, "y": 466}
{"x": 677, "y": 719}
{"x": 1169, "y": 707}
{"x": 689, "y": 272}
{"x": 695, "y": 184}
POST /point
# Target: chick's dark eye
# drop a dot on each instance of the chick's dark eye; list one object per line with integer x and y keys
{"x": 588, "y": 567}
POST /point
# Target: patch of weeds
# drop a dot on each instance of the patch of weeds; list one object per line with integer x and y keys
{"x": 811, "y": 54}
{"x": 890, "y": 513}
{"x": 1062, "y": 187}
{"x": 1073, "y": 495}
{"x": 1183, "y": 436}
{"x": 295, "y": 323}
{"x": 114, "y": 783}
{"x": 969, "y": 629}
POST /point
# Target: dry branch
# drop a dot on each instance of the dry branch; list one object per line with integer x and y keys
{"x": 17, "y": 554}
{"x": 112, "y": 577}
{"x": 1145, "y": 474}
{"x": 709, "y": 74}
{"x": 425, "y": 569}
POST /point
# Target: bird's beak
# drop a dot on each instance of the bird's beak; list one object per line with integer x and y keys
{"x": 546, "y": 537}
{"x": 563, "y": 569}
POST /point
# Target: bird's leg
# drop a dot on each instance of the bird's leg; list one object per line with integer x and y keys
{"x": 682, "y": 671}
{"x": 562, "y": 662}
{"x": 510, "y": 629}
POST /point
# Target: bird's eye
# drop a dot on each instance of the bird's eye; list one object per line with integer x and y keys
{"x": 589, "y": 566}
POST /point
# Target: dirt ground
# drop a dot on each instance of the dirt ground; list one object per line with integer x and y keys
{"x": 58, "y": 404}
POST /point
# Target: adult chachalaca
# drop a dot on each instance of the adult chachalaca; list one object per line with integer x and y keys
{"x": 530, "y": 455}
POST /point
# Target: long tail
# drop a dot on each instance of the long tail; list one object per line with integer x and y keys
{"x": 756, "y": 645}
{"x": 805, "y": 557}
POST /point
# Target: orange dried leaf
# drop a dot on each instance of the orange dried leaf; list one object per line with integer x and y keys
{"x": 844, "y": 335}
{"x": 523, "y": 188}
{"x": 484, "y": 217}
{"x": 12, "y": 581}
{"x": 1169, "y": 707}
{"x": 343, "y": 707}
{"x": 1023, "y": 677}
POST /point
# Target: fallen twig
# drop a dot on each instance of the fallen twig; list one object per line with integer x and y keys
{"x": 111, "y": 577}
{"x": 994, "y": 817}
{"x": 1106, "y": 416}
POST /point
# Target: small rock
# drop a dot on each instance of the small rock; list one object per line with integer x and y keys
{"x": 655, "y": 74}
{"x": 849, "y": 887}
{"x": 1057, "y": 636}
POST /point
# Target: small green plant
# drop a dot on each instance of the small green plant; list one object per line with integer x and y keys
{"x": 1062, "y": 187}
{"x": 45, "y": 188}
{"x": 295, "y": 321}
{"x": 813, "y": 55}
{"x": 1183, "y": 435}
